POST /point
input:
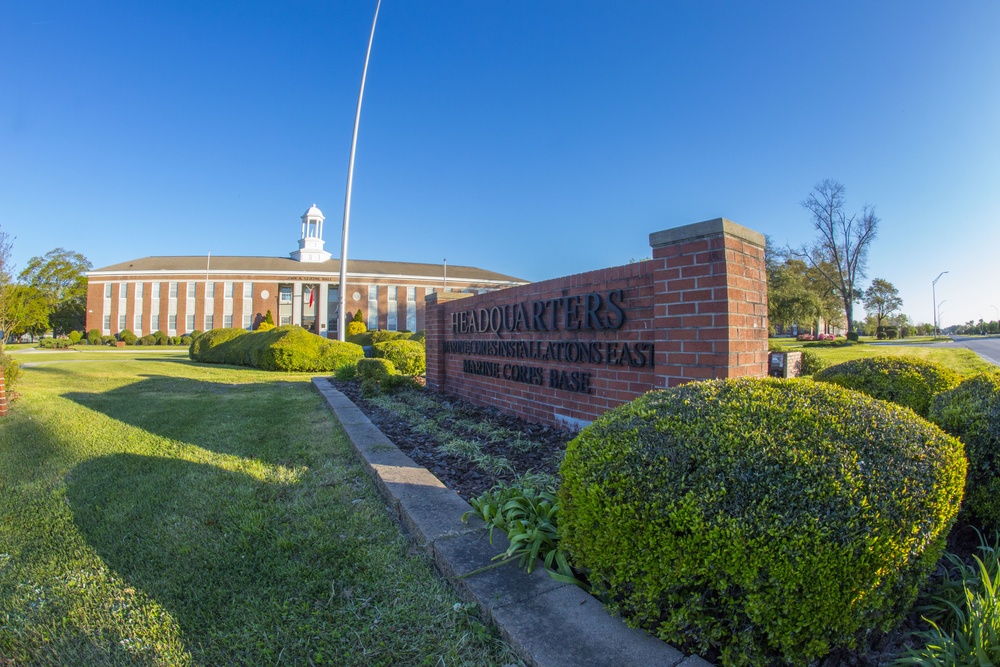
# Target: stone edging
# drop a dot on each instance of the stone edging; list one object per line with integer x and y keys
{"x": 548, "y": 623}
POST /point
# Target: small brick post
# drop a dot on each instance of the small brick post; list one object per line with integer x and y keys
{"x": 711, "y": 302}
{"x": 3, "y": 395}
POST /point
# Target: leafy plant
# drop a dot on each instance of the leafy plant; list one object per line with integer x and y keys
{"x": 948, "y": 594}
{"x": 529, "y": 515}
{"x": 907, "y": 381}
{"x": 974, "y": 638}
{"x": 812, "y": 363}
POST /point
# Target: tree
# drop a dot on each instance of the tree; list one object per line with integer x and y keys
{"x": 9, "y": 314}
{"x": 29, "y": 310}
{"x": 882, "y": 299}
{"x": 61, "y": 276}
{"x": 840, "y": 254}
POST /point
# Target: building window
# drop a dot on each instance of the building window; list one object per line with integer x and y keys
{"x": 393, "y": 309}
{"x": 210, "y": 290}
{"x": 190, "y": 289}
{"x": 121, "y": 323}
{"x": 286, "y": 319}
{"x": 285, "y": 294}
{"x": 154, "y": 290}
{"x": 107, "y": 325}
{"x": 209, "y": 322}
{"x": 173, "y": 291}
{"x": 229, "y": 291}
{"x": 107, "y": 290}
{"x": 227, "y": 321}
{"x": 411, "y": 308}
{"x": 373, "y": 307}
{"x": 189, "y": 323}
{"x": 248, "y": 322}
{"x": 138, "y": 324}
{"x": 172, "y": 324}
{"x": 248, "y": 290}
{"x": 154, "y": 321}
{"x": 332, "y": 308}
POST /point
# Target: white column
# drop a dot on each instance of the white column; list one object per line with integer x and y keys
{"x": 321, "y": 312}
{"x": 297, "y": 303}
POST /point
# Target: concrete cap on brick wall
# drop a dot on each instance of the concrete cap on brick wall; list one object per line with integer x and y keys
{"x": 705, "y": 229}
{"x": 442, "y": 297}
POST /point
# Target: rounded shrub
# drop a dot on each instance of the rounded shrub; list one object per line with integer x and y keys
{"x": 264, "y": 326}
{"x": 406, "y": 355}
{"x": 769, "y": 521}
{"x": 126, "y": 336}
{"x": 375, "y": 369}
{"x": 295, "y": 349}
{"x": 205, "y": 348}
{"x": 354, "y": 328}
{"x": 148, "y": 339}
{"x": 382, "y": 335}
{"x": 161, "y": 338}
{"x": 971, "y": 412}
{"x": 196, "y": 334}
{"x": 419, "y": 336}
{"x": 907, "y": 381}
{"x": 94, "y": 336}
{"x": 75, "y": 337}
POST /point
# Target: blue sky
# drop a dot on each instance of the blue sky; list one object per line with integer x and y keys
{"x": 536, "y": 139}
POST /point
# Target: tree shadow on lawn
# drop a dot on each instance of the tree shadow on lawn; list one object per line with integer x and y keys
{"x": 264, "y": 421}
{"x": 217, "y": 549}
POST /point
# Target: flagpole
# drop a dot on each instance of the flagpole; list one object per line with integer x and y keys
{"x": 342, "y": 295}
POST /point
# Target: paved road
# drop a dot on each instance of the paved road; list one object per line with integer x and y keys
{"x": 987, "y": 348}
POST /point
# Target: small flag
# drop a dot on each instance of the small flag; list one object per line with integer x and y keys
{"x": 311, "y": 292}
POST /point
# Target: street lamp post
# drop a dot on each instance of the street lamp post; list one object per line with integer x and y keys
{"x": 342, "y": 295}
{"x": 935, "y": 304}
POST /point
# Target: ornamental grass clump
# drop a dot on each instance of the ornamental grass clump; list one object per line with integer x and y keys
{"x": 907, "y": 381}
{"x": 971, "y": 412}
{"x": 759, "y": 521}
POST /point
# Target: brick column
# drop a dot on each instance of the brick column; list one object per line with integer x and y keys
{"x": 710, "y": 303}
{"x": 435, "y": 324}
{"x": 3, "y": 395}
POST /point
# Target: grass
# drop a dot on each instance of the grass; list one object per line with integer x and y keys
{"x": 962, "y": 360}
{"x": 158, "y": 512}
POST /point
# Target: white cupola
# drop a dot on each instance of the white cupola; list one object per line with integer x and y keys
{"x": 311, "y": 243}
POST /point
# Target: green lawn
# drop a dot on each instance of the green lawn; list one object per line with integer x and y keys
{"x": 158, "y": 512}
{"x": 964, "y": 361}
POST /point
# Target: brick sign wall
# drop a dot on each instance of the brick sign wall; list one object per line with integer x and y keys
{"x": 564, "y": 351}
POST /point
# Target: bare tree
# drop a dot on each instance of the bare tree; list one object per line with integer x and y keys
{"x": 840, "y": 254}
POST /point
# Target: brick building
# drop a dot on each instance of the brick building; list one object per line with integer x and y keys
{"x": 181, "y": 294}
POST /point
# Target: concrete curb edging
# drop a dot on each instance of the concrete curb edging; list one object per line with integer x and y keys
{"x": 549, "y": 624}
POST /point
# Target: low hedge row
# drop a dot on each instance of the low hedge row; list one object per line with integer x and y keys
{"x": 769, "y": 521}
{"x": 906, "y": 381}
{"x": 971, "y": 412}
{"x": 286, "y": 348}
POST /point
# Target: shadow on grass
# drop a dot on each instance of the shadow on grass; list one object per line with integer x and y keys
{"x": 246, "y": 420}
{"x": 214, "y": 547}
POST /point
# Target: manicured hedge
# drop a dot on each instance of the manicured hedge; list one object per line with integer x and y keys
{"x": 904, "y": 380}
{"x": 406, "y": 355}
{"x": 770, "y": 520}
{"x": 287, "y": 348}
{"x": 971, "y": 412}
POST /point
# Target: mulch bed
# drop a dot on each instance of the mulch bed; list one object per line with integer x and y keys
{"x": 456, "y": 472}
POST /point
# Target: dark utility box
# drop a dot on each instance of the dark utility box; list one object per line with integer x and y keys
{"x": 784, "y": 364}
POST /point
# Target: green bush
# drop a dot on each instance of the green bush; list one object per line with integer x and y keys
{"x": 375, "y": 369}
{"x": 75, "y": 337}
{"x": 53, "y": 343}
{"x": 148, "y": 339}
{"x": 812, "y": 363}
{"x": 287, "y": 348}
{"x": 771, "y": 520}
{"x": 381, "y": 335}
{"x": 175, "y": 340}
{"x": 264, "y": 326}
{"x": 406, "y": 355}
{"x": 346, "y": 373}
{"x": 854, "y": 337}
{"x": 94, "y": 336}
{"x": 399, "y": 382}
{"x": 126, "y": 336}
{"x": 196, "y": 334}
{"x": 363, "y": 339}
{"x": 161, "y": 338}
{"x": 369, "y": 388}
{"x": 354, "y": 328}
{"x": 205, "y": 349}
{"x": 419, "y": 336}
{"x": 907, "y": 381}
{"x": 109, "y": 340}
{"x": 971, "y": 412}
{"x": 11, "y": 372}
{"x": 186, "y": 340}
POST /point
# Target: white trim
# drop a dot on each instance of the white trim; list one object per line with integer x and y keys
{"x": 434, "y": 280}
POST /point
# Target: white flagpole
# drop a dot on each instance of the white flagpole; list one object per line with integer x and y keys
{"x": 342, "y": 295}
